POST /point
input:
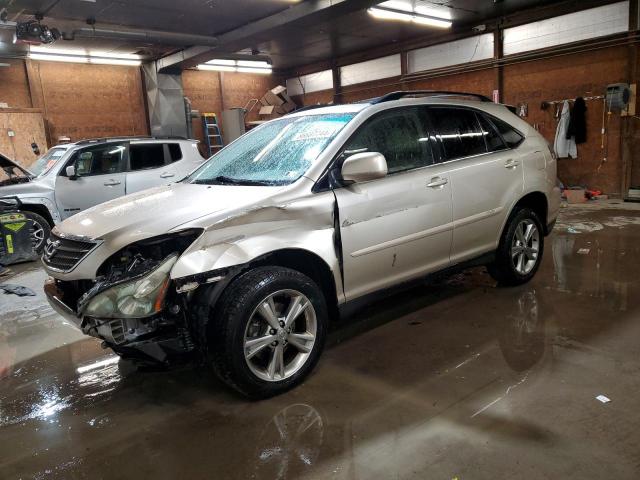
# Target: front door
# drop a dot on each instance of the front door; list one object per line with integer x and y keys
{"x": 99, "y": 177}
{"x": 399, "y": 226}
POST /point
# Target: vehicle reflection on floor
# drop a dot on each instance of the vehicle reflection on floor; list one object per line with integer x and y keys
{"x": 455, "y": 378}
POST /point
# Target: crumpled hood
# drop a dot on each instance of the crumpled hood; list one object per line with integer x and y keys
{"x": 160, "y": 210}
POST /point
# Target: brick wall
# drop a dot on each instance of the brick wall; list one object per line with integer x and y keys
{"x": 584, "y": 74}
{"x": 14, "y": 87}
{"x": 87, "y": 101}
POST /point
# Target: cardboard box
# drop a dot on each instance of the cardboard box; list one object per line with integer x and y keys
{"x": 279, "y": 90}
{"x": 266, "y": 110}
{"x": 273, "y": 99}
{"x": 575, "y": 195}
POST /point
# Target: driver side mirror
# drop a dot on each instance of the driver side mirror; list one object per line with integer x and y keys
{"x": 71, "y": 172}
{"x": 365, "y": 166}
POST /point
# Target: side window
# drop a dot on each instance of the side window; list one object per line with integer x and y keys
{"x": 145, "y": 156}
{"x": 175, "y": 152}
{"x": 511, "y": 137}
{"x": 399, "y": 135}
{"x": 459, "y": 132}
{"x": 491, "y": 136}
{"x": 99, "y": 160}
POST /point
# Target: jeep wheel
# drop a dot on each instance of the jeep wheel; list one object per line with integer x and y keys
{"x": 520, "y": 250}
{"x": 267, "y": 331}
{"x": 41, "y": 230}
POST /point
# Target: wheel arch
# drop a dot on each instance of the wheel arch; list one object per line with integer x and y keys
{"x": 301, "y": 260}
{"x": 536, "y": 201}
{"x": 39, "y": 209}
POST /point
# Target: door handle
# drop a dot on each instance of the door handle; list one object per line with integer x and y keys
{"x": 511, "y": 163}
{"x": 111, "y": 183}
{"x": 437, "y": 182}
{"x": 166, "y": 174}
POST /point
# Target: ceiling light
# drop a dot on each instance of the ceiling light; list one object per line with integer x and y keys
{"x": 386, "y": 13}
{"x": 78, "y": 57}
{"x": 115, "y": 61}
{"x": 263, "y": 71}
{"x": 242, "y": 66}
{"x": 216, "y": 68}
{"x": 58, "y": 58}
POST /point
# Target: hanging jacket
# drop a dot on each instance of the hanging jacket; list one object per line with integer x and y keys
{"x": 578, "y": 123}
{"x": 564, "y": 147}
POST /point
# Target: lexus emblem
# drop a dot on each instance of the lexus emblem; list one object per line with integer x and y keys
{"x": 50, "y": 249}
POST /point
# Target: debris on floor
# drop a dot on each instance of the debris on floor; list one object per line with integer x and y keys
{"x": 603, "y": 399}
{"x": 18, "y": 290}
{"x": 584, "y": 251}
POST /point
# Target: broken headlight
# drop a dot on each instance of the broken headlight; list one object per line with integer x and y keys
{"x": 137, "y": 298}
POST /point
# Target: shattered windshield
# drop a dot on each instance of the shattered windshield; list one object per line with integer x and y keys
{"x": 46, "y": 161}
{"x": 276, "y": 153}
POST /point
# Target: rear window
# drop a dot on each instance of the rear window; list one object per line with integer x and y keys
{"x": 511, "y": 136}
{"x": 491, "y": 136}
{"x": 144, "y": 157}
{"x": 459, "y": 132}
{"x": 175, "y": 152}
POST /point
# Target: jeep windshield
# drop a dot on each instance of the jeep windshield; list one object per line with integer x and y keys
{"x": 46, "y": 161}
{"x": 276, "y": 153}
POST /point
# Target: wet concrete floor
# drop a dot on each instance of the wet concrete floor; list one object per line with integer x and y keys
{"x": 454, "y": 380}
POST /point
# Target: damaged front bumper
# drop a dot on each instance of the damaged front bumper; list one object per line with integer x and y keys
{"x": 160, "y": 337}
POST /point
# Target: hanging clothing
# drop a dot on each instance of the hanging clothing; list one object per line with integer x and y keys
{"x": 564, "y": 147}
{"x": 578, "y": 122}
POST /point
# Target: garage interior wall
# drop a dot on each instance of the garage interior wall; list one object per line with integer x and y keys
{"x": 212, "y": 92}
{"x": 88, "y": 101}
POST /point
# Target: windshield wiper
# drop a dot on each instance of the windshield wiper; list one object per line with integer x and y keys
{"x": 223, "y": 180}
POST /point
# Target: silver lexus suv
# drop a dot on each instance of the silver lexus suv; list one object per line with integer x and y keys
{"x": 243, "y": 263}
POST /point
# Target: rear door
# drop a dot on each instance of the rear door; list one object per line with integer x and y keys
{"x": 486, "y": 176}
{"x": 397, "y": 227}
{"x": 99, "y": 177}
{"x": 147, "y": 166}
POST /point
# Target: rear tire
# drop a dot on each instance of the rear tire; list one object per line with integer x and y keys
{"x": 41, "y": 230}
{"x": 266, "y": 332}
{"x": 520, "y": 250}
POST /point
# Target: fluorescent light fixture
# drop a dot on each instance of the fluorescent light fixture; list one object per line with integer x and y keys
{"x": 115, "y": 61}
{"x": 84, "y": 59}
{"x": 241, "y": 66}
{"x": 253, "y": 64}
{"x": 263, "y": 71}
{"x": 386, "y": 13}
{"x": 220, "y": 61}
{"x": 58, "y": 58}
{"x": 81, "y": 55}
{"x": 216, "y": 68}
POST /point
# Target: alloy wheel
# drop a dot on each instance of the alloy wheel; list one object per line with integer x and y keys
{"x": 280, "y": 335}
{"x": 525, "y": 246}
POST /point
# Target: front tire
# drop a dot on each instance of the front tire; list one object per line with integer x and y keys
{"x": 41, "y": 230}
{"x": 267, "y": 331}
{"x": 520, "y": 250}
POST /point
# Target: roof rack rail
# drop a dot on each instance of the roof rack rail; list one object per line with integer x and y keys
{"x": 87, "y": 141}
{"x": 427, "y": 93}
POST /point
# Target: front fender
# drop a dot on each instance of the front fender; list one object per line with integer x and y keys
{"x": 306, "y": 224}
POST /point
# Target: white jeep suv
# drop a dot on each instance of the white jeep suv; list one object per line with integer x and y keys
{"x": 243, "y": 263}
{"x": 72, "y": 177}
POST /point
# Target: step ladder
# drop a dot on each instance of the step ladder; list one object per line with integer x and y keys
{"x": 211, "y": 132}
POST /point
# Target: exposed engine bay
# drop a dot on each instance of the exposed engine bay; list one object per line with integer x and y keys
{"x": 132, "y": 305}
